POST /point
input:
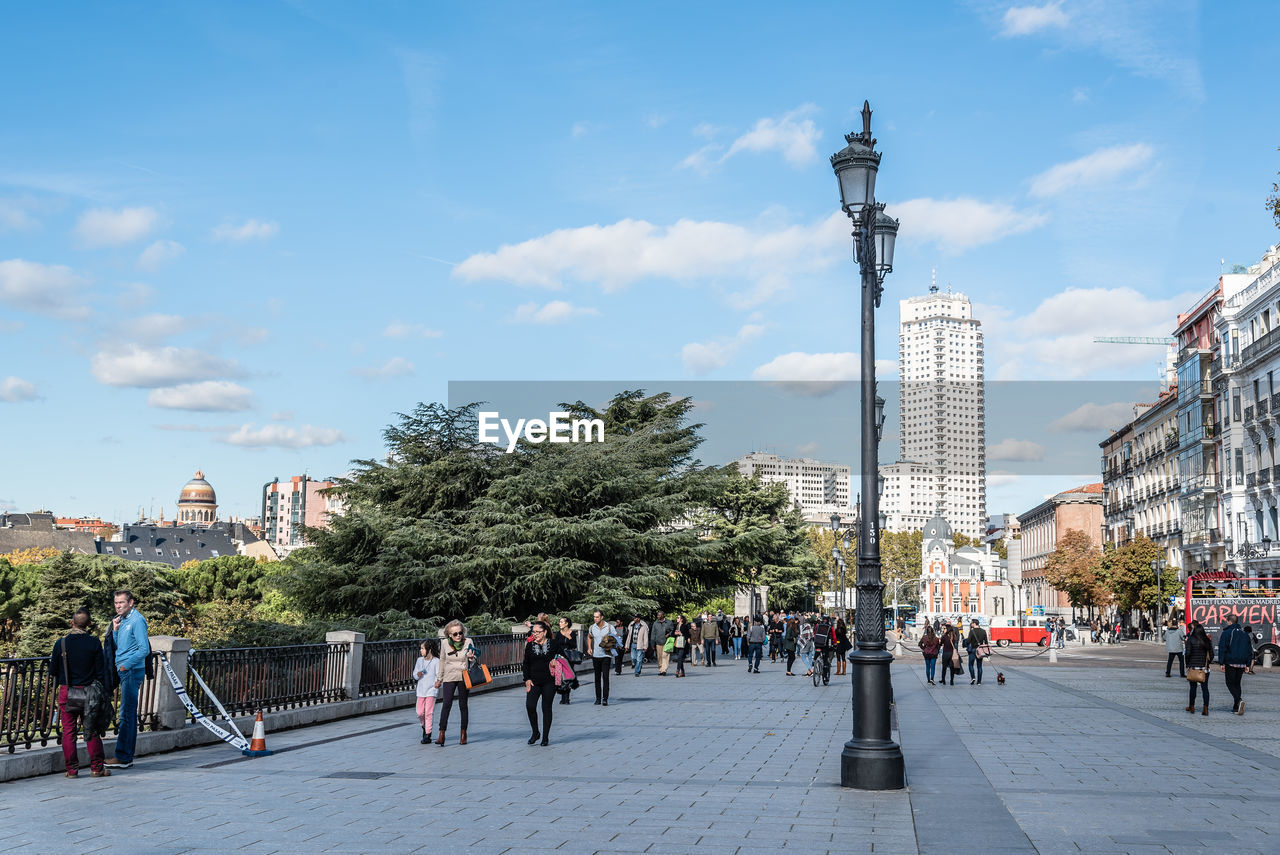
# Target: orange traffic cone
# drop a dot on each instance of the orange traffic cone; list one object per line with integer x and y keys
{"x": 258, "y": 744}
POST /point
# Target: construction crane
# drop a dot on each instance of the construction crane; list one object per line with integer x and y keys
{"x": 1167, "y": 341}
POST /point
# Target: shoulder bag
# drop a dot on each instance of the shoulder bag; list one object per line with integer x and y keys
{"x": 477, "y": 674}
{"x": 75, "y": 694}
{"x": 1197, "y": 675}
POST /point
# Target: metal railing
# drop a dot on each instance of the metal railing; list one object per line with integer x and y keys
{"x": 29, "y": 709}
{"x": 247, "y": 679}
{"x": 387, "y": 666}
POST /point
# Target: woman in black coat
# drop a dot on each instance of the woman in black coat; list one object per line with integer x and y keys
{"x": 1199, "y": 655}
{"x": 539, "y": 684}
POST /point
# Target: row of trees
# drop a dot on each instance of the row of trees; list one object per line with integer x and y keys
{"x": 445, "y": 527}
{"x": 1122, "y": 577}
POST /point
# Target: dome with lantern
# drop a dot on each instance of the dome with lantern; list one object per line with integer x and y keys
{"x": 197, "y": 503}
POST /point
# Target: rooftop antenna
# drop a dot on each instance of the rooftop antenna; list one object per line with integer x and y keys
{"x": 933, "y": 287}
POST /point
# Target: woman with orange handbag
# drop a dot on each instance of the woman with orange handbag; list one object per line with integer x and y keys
{"x": 456, "y": 655}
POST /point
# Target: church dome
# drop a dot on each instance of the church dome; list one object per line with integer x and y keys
{"x": 197, "y": 492}
{"x": 937, "y": 529}
{"x": 197, "y": 503}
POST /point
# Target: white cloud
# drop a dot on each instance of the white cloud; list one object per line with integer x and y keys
{"x": 818, "y": 373}
{"x": 1016, "y": 450}
{"x": 580, "y": 129}
{"x": 248, "y": 230}
{"x": 210, "y": 396}
{"x": 554, "y": 312}
{"x": 402, "y": 330}
{"x": 282, "y": 416}
{"x": 1080, "y": 95}
{"x": 14, "y": 390}
{"x": 1001, "y": 478}
{"x": 1094, "y": 418}
{"x": 282, "y": 436}
{"x": 1025, "y": 20}
{"x": 108, "y": 227}
{"x": 45, "y": 289}
{"x": 157, "y": 327}
{"x": 792, "y": 135}
{"x": 1056, "y": 338}
{"x": 15, "y": 215}
{"x": 1157, "y": 40}
{"x": 956, "y": 225}
{"x": 807, "y": 448}
{"x": 703, "y": 357}
{"x": 618, "y": 255}
{"x": 396, "y": 366}
{"x": 1102, "y": 166}
{"x": 152, "y": 367}
{"x": 160, "y": 252}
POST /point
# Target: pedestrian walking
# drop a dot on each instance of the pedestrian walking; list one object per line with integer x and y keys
{"x": 790, "y": 639}
{"x": 843, "y": 646}
{"x": 568, "y": 639}
{"x": 805, "y": 647}
{"x": 1062, "y": 634}
{"x": 1199, "y": 658}
{"x": 929, "y": 646}
{"x": 637, "y": 639}
{"x": 776, "y": 628}
{"x": 539, "y": 682}
{"x": 755, "y": 644}
{"x": 132, "y": 650}
{"x": 456, "y": 655}
{"x": 736, "y": 631}
{"x": 683, "y": 635}
{"x": 710, "y": 637}
{"x": 950, "y": 655}
{"x": 977, "y": 644}
{"x": 602, "y": 644}
{"x": 426, "y": 671}
{"x": 659, "y": 633}
{"x": 1235, "y": 652}
{"x": 620, "y": 629}
{"x": 1175, "y": 638}
{"x": 76, "y": 663}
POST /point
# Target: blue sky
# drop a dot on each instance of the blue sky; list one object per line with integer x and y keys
{"x": 240, "y": 237}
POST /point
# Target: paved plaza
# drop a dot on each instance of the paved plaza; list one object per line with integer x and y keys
{"x": 1093, "y": 754}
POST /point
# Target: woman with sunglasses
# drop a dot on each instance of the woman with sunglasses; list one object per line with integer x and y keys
{"x": 456, "y": 654}
{"x": 539, "y": 684}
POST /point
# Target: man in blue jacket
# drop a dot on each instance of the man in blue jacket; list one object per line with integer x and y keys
{"x": 129, "y": 632}
{"x": 1235, "y": 652}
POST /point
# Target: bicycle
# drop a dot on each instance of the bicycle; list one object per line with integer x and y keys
{"x": 822, "y": 671}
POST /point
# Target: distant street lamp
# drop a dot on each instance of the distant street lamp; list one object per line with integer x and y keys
{"x": 871, "y": 760}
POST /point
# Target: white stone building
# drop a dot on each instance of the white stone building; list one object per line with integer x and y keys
{"x": 942, "y": 414}
{"x": 1248, "y": 391}
{"x": 813, "y": 485}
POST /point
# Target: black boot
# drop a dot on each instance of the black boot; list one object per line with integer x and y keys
{"x": 534, "y": 738}
{"x": 426, "y": 737}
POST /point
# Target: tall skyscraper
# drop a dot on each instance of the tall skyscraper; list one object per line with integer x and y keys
{"x": 941, "y": 405}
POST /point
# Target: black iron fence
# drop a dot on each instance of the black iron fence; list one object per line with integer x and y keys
{"x": 387, "y": 666}
{"x": 29, "y": 709}
{"x": 248, "y": 679}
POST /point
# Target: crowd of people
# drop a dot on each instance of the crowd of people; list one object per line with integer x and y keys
{"x": 555, "y": 662}
{"x": 941, "y": 640}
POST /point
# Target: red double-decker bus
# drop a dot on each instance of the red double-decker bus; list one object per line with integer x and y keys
{"x": 1215, "y": 598}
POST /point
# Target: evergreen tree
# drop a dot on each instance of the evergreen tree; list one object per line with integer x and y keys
{"x": 69, "y": 581}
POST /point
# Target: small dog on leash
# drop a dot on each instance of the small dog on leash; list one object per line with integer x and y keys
{"x": 999, "y": 678}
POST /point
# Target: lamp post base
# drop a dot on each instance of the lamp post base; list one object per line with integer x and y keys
{"x": 872, "y": 768}
{"x": 872, "y": 760}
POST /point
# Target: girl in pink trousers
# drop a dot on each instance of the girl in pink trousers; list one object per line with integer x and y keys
{"x": 426, "y": 671}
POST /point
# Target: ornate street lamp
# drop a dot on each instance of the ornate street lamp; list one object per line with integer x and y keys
{"x": 871, "y": 760}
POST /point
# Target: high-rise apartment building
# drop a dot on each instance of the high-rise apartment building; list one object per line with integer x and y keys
{"x": 942, "y": 467}
{"x": 811, "y": 483}
{"x": 290, "y": 505}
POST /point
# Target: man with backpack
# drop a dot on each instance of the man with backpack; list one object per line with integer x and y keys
{"x": 1235, "y": 652}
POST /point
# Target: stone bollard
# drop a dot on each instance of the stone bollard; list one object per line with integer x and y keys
{"x": 170, "y": 713}
{"x": 1266, "y": 659}
{"x": 349, "y": 679}
{"x": 1053, "y": 655}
